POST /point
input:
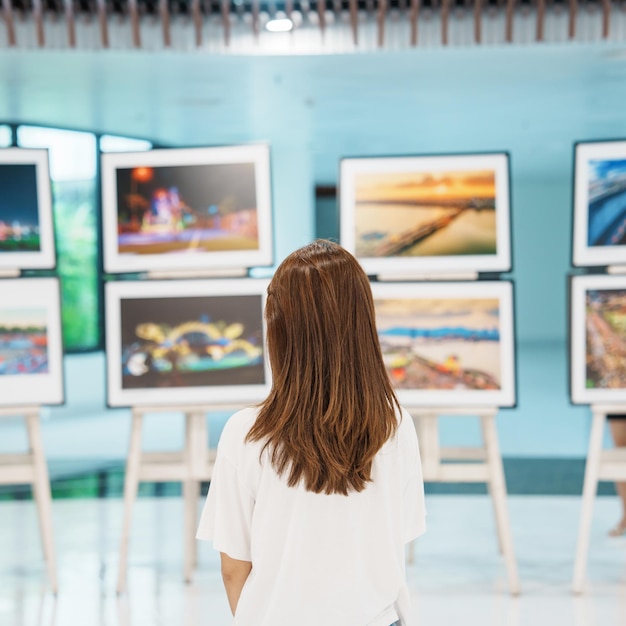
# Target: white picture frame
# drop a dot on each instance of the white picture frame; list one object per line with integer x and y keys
{"x": 31, "y": 190}
{"x": 31, "y": 343}
{"x": 370, "y": 233}
{"x": 445, "y": 345}
{"x": 591, "y": 382}
{"x": 160, "y": 247}
{"x": 599, "y": 209}
{"x": 212, "y": 366}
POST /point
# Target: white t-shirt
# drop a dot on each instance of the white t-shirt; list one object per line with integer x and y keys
{"x": 317, "y": 560}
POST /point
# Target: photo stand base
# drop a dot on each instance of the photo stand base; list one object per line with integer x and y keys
{"x": 602, "y": 465}
{"x": 469, "y": 465}
{"x": 208, "y": 273}
{"x": 428, "y": 277}
{"x": 31, "y": 469}
{"x": 10, "y": 273}
{"x": 190, "y": 466}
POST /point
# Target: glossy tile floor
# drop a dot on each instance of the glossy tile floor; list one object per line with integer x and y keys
{"x": 457, "y": 577}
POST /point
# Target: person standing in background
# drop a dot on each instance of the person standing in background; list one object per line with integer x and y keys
{"x": 316, "y": 491}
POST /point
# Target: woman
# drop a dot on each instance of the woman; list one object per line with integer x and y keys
{"x": 316, "y": 491}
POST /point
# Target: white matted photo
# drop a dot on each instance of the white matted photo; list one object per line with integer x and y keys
{"x": 31, "y": 346}
{"x": 26, "y": 224}
{"x": 598, "y": 339}
{"x": 448, "y": 344}
{"x": 599, "y": 203}
{"x": 427, "y": 214}
{"x": 181, "y": 342}
{"x": 190, "y": 209}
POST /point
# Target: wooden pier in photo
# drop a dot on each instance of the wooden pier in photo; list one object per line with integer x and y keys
{"x": 415, "y": 235}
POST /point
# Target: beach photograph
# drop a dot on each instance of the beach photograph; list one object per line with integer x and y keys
{"x": 187, "y": 208}
{"x": 422, "y": 213}
{"x": 23, "y": 341}
{"x": 19, "y": 208}
{"x": 606, "y": 202}
{"x": 605, "y": 327}
{"x": 441, "y": 344}
{"x": 192, "y": 341}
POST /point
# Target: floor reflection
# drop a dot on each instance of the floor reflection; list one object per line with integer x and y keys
{"x": 457, "y": 576}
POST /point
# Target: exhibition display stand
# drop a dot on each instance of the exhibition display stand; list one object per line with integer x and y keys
{"x": 601, "y": 464}
{"x": 609, "y": 465}
{"x": 190, "y": 466}
{"x": 30, "y": 468}
{"x": 478, "y": 464}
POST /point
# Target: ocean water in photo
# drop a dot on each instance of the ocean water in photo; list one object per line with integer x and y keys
{"x": 463, "y": 232}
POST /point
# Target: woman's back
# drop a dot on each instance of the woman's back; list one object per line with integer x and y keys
{"x": 317, "y": 558}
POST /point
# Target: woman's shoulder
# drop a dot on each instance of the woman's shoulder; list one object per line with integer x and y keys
{"x": 237, "y": 428}
{"x": 404, "y": 438}
{"x": 406, "y": 427}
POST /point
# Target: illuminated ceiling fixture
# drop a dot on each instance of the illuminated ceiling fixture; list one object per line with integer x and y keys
{"x": 279, "y": 25}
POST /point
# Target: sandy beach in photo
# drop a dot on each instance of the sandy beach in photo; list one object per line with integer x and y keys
{"x": 440, "y": 344}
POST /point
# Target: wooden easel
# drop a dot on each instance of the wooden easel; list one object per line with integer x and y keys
{"x": 470, "y": 465}
{"x": 31, "y": 469}
{"x": 189, "y": 466}
{"x": 601, "y": 465}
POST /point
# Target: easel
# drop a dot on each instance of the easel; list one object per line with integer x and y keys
{"x": 189, "y": 466}
{"x": 601, "y": 465}
{"x": 469, "y": 465}
{"x": 31, "y": 469}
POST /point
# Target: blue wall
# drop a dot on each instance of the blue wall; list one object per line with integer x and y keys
{"x": 534, "y": 102}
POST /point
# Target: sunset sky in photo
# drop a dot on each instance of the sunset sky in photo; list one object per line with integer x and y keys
{"x": 23, "y": 317}
{"x": 371, "y": 187}
{"x": 426, "y": 313}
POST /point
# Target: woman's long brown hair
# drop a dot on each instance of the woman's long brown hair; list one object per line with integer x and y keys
{"x": 331, "y": 406}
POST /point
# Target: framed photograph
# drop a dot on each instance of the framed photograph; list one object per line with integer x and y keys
{"x": 31, "y": 347}
{"x": 427, "y": 215}
{"x": 448, "y": 344}
{"x": 186, "y": 342}
{"x": 26, "y": 224}
{"x": 187, "y": 209}
{"x": 599, "y": 203}
{"x": 598, "y": 339}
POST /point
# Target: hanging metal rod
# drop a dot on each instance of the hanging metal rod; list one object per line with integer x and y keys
{"x": 199, "y": 23}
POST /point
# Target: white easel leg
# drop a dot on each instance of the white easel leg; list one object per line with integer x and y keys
{"x": 589, "y": 493}
{"x": 498, "y": 535}
{"x": 37, "y": 496}
{"x": 131, "y": 484}
{"x": 428, "y": 438}
{"x": 43, "y": 497}
{"x": 419, "y": 427}
{"x": 193, "y": 460}
{"x": 498, "y": 494}
{"x": 187, "y": 529}
{"x": 202, "y": 444}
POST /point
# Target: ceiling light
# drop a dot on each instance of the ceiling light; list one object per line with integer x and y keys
{"x": 279, "y": 26}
